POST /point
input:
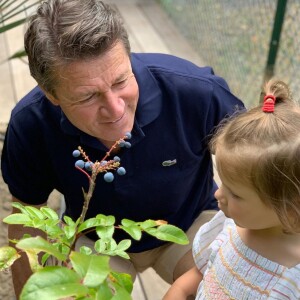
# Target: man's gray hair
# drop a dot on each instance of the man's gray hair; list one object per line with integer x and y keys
{"x": 63, "y": 31}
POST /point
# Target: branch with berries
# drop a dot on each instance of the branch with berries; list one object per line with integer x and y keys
{"x": 92, "y": 169}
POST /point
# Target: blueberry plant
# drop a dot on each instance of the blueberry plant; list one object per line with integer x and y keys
{"x": 83, "y": 274}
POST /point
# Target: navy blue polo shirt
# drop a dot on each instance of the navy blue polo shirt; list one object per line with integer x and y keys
{"x": 179, "y": 106}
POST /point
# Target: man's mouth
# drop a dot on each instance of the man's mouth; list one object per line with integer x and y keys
{"x": 115, "y": 121}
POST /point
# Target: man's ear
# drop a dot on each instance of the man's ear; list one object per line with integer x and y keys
{"x": 50, "y": 97}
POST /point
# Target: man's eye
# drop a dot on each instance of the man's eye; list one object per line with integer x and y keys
{"x": 121, "y": 83}
{"x": 89, "y": 98}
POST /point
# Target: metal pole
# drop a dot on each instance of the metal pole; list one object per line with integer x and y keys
{"x": 275, "y": 39}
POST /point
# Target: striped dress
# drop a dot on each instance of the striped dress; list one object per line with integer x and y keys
{"x": 234, "y": 271}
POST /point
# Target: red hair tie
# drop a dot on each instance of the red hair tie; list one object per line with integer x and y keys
{"x": 269, "y": 103}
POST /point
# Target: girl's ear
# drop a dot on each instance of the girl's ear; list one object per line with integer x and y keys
{"x": 51, "y": 98}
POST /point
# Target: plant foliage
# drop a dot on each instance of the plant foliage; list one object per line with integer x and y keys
{"x": 84, "y": 274}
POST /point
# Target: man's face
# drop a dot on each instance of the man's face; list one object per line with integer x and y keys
{"x": 99, "y": 95}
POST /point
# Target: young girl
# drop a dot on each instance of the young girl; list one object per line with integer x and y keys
{"x": 251, "y": 248}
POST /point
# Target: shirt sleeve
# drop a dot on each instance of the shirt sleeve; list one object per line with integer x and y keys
{"x": 24, "y": 163}
{"x": 207, "y": 242}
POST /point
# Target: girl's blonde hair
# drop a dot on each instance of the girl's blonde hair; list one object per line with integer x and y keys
{"x": 263, "y": 149}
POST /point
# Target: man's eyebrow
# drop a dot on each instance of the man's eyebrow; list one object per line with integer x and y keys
{"x": 123, "y": 75}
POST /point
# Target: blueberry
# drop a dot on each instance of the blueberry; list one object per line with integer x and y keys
{"x": 117, "y": 158}
{"x": 122, "y": 143}
{"x": 108, "y": 177}
{"x": 127, "y": 145}
{"x": 128, "y": 135}
{"x": 88, "y": 166}
{"x": 121, "y": 171}
{"x": 76, "y": 153}
{"x": 103, "y": 163}
{"x": 79, "y": 164}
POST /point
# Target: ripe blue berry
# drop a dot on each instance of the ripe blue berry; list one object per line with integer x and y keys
{"x": 128, "y": 135}
{"x": 127, "y": 145}
{"x": 76, "y": 153}
{"x": 108, "y": 177}
{"x": 79, "y": 164}
{"x": 117, "y": 158}
{"x": 88, "y": 166}
{"x": 122, "y": 143}
{"x": 103, "y": 163}
{"x": 121, "y": 171}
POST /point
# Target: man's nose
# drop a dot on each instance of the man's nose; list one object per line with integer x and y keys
{"x": 112, "y": 105}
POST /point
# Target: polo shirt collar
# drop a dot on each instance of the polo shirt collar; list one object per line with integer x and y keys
{"x": 150, "y": 96}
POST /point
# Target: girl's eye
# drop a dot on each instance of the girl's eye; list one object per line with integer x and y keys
{"x": 231, "y": 193}
{"x": 235, "y": 196}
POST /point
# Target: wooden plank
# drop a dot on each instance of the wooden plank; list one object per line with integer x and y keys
{"x": 7, "y": 97}
{"x": 145, "y": 37}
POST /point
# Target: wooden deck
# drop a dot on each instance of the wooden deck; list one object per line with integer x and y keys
{"x": 150, "y": 30}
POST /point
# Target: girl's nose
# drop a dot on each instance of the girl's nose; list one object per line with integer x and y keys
{"x": 219, "y": 195}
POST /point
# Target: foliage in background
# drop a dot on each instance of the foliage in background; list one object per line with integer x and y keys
{"x": 233, "y": 37}
{"x": 13, "y": 14}
{"x": 83, "y": 274}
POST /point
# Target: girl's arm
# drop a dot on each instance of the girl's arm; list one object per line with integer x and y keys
{"x": 186, "y": 285}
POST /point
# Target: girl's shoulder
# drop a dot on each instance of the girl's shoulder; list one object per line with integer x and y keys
{"x": 210, "y": 237}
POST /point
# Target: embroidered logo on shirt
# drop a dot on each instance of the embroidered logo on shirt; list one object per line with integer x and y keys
{"x": 168, "y": 163}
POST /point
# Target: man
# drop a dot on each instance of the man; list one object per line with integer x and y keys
{"x": 91, "y": 91}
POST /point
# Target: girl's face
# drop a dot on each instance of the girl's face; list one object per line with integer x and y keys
{"x": 241, "y": 203}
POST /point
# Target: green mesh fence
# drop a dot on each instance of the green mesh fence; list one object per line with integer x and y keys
{"x": 233, "y": 36}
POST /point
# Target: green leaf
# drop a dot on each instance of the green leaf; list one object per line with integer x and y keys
{"x": 18, "y": 54}
{"x": 8, "y": 255}
{"x": 86, "y": 250}
{"x": 70, "y": 231}
{"x": 89, "y": 223}
{"x": 12, "y": 25}
{"x": 169, "y": 233}
{"x": 124, "y": 280}
{"x": 104, "y": 292}
{"x": 69, "y": 221}
{"x": 37, "y": 223}
{"x": 20, "y": 206}
{"x": 106, "y": 246}
{"x": 133, "y": 230}
{"x": 52, "y": 228}
{"x": 122, "y": 254}
{"x": 38, "y": 244}
{"x": 51, "y": 283}
{"x": 122, "y": 285}
{"x": 33, "y": 260}
{"x": 105, "y": 232}
{"x": 148, "y": 224}
{"x": 92, "y": 269}
{"x": 106, "y": 220}
{"x": 127, "y": 222}
{"x": 18, "y": 218}
{"x": 34, "y": 212}
{"x": 49, "y": 213}
{"x": 124, "y": 245}
{"x": 121, "y": 293}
